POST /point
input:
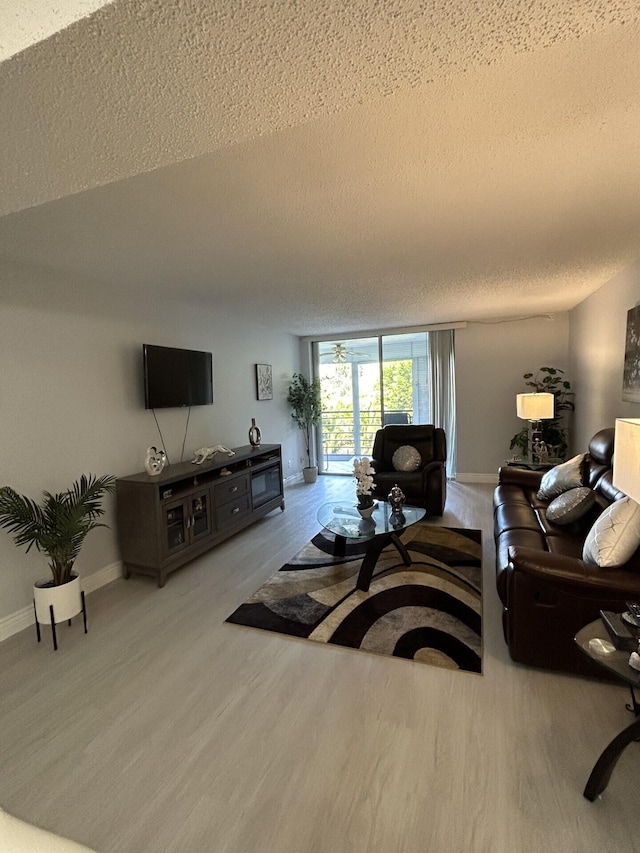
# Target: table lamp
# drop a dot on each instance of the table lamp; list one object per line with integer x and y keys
{"x": 626, "y": 457}
{"x": 535, "y": 408}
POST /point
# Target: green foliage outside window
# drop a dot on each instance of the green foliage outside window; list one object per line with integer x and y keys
{"x": 337, "y": 404}
{"x": 397, "y": 377}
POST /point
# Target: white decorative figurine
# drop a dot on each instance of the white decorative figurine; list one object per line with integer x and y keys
{"x": 203, "y": 454}
{"x": 155, "y": 461}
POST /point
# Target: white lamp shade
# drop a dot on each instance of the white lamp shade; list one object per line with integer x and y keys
{"x": 535, "y": 407}
{"x": 626, "y": 457}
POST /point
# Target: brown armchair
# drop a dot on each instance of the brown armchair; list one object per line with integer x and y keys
{"x": 427, "y": 485}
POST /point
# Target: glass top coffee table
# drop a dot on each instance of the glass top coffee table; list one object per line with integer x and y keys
{"x": 343, "y": 520}
{"x": 617, "y": 663}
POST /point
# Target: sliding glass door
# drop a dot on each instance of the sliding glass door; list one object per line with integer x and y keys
{"x": 350, "y": 392}
{"x": 366, "y": 383}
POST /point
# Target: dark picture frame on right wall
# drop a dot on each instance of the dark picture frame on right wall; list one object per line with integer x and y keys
{"x": 631, "y": 376}
{"x": 264, "y": 382}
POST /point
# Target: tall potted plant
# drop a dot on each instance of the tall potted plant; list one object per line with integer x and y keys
{"x": 304, "y": 398}
{"x": 57, "y": 527}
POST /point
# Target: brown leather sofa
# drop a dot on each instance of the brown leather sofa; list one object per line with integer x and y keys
{"x": 427, "y": 486}
{"x": 548, "y": 592}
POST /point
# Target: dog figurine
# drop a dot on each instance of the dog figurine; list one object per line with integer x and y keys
{"x": 203, "y": 454}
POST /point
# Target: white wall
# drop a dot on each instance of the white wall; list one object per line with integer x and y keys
{"x": 491, "y": 359}
{"x": 72, "y": 402}
{"x": 597, "y": 341}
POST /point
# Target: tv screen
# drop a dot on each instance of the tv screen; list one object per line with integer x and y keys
{"x": 176, "y": 377}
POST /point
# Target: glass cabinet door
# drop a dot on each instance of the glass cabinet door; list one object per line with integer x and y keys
{"x": 175, "y": 533}
{"x": 186, "y": 521}
{"x": 200, "y": 512}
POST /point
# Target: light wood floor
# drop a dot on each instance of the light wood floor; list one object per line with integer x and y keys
{"x": 165, "y": 729}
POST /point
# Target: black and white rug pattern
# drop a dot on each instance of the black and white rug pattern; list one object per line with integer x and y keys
{"x": 429, "y": 612}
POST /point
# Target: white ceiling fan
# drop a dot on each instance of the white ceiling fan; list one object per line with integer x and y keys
{"x": 339, "y": 354}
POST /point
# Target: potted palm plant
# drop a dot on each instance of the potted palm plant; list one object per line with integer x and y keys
{"x": 57, "y": 527}
{"x": 304, "y": 398}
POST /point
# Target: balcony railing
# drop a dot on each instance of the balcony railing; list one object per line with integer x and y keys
{"x": 344, "y": 437}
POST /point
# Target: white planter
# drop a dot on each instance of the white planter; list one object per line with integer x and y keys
{"x": 367, "y": 511}
{"x": 66, "y": 600}
{"x": 310, "y": 474}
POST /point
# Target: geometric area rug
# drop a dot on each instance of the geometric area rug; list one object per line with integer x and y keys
{"x": 429, "y": 612}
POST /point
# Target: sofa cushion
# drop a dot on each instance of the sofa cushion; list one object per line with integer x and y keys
{"x": 516, "y": 516}
{"x": 570, "y": 506}
{"x": 561, "y": 478}
{"x": 615, "y": 535}
{"x": 406, "y": 458}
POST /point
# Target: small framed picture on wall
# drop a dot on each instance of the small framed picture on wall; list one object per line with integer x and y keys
{"x": 264, "y": 382}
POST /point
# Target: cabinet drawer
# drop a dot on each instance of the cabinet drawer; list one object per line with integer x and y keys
{"x": 231, "y": 512}
{"x": 230, "y": 488}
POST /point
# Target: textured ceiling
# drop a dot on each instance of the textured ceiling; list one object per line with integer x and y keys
{"x": 328, "y": 166}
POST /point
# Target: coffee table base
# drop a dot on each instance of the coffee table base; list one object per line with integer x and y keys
{"x": 372, "y": 554}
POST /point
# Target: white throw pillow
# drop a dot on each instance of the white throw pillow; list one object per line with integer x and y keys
{"x": 406, "y": 458}
{"x": 615, "y": 536}
{"x": 561, "y": 478}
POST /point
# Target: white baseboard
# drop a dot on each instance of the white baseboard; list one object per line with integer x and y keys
{"x": 16, "y": 622}
{"x": 294, "y": 478}
{"x": 477, "y": 478}
{"x": 102, "y": 577}
{"x": 21, "y": 619}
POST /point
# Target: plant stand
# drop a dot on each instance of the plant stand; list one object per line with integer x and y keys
{"x": 53, "y": 621}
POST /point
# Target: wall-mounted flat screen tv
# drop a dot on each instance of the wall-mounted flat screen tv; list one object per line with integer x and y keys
{"x": 176, "y": 377}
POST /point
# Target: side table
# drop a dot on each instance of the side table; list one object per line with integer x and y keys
{"x": 617, "y": 663}
{"x": 531, "y": 466}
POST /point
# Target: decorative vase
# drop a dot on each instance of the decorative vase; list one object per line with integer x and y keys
{"x": 255, "y": 436}
{"x": 366, "y": 511}
{"x": 366, "y": 505}
{"x": 155, "y": 461}
{"x": 396, "y": 499}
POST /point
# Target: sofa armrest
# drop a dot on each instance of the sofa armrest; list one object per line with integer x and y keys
{"x": 572, "y": 573}
{"x": 509, "y": 475}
